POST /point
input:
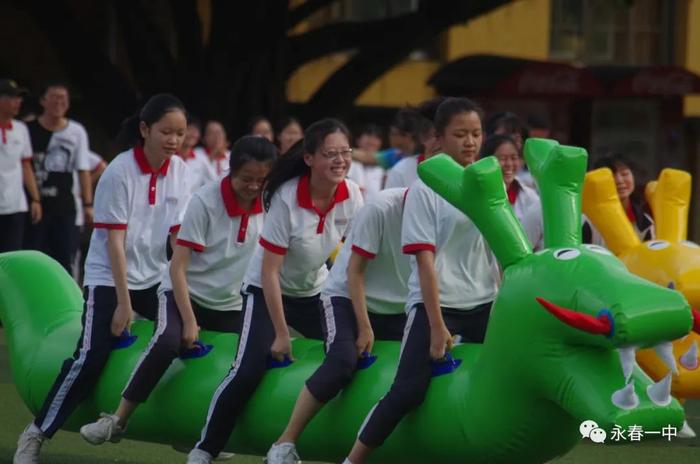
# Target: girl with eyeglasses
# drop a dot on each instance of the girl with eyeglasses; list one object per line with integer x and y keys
{"x": 309, "y": 207}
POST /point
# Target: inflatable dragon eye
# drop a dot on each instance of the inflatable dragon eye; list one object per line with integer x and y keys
{"x": 657, "y": 245}
{"x": 690, "y": 244}
{"x": 598, "y": 249}
{"x": 565, "y": 254}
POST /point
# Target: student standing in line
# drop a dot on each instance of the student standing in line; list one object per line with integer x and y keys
{"x": 289, "y": 132}
{"x": 215, "y": 152}
{"x": 222, "y": 224}
{"x": 15, "y": 170}
{"x": 310, "y": 205}
{"x": 405, "y": 172}
{"x": 505, "y": 149}
{"x": 630, "y": 196}
{"x": 195, "y": 159}
{"x": 138, "y": 203}
{"x": 261, "y": 127}
{"x": 451, "y": 286}
{"x": 61, "y": 149}
{"x": 363, "y": 299}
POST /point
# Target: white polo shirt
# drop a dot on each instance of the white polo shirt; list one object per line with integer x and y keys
{"x": 196, "y": 169}
{"x": 223, "y": 237}
{"x": 212, "y": 169}
{"x": 148, "y": 205}
{"x": 376, "y": 235}
{"x": 15, "y": 148}
{"x": 463, "y": 261}
{"x": 96, "y": 162}
{"x": 521, "y": 197}
{"x": 404, "y": 173}
{"x": 295, "y": 228}
{"x": 534, "y": 228}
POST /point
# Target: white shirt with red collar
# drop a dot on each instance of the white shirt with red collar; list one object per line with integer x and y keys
{"x": 404, "y": 173}
{"x": 463, "y": 261}
{"x": 295, "y": 228}
{"x": 520, "y": 197}
{"x": 212, "y": 168}
{"x": 148, "y": 204}
{"x": 222, "y": 236}
{"x": 15, "y": 149}
{"x": 376, "y": 235}
{"x": 196, "y": 169}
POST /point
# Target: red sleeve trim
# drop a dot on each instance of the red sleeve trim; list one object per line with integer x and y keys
{"x": 364, "y": 253}
{"x": 272, "y": 247}
{"x": 175, "y": 228}
{"x": 414, "y": 248}
{"x": 194, "y": 246}
{"x": 106, "y": 225}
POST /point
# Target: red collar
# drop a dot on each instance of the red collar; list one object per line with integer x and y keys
{"x": 214, "y": 155}
{"x": 189, "y": 155}
{"x": 421, "y": 158}
{"x": 145, "y": 167}
{"x": 232, "y": 207}
{"x": 304, "y": 195}
{"x": 513, "y": 191}
{"x": 7, "y": 126}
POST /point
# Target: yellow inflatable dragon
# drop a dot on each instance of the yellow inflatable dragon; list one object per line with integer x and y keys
{"x": 670, "y": 260}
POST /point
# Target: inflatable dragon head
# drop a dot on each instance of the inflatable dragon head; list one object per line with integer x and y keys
{"x": 566, "y": 317}
{"x": 670, "y": 260}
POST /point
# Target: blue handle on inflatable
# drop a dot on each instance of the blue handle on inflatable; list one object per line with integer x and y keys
{"x": 445, "y": 365}
{"x": 366, "y": 360}
{"x": 272, "y": 363}
{"x": 197, "y": 351}
{"x": 125, "y": 340}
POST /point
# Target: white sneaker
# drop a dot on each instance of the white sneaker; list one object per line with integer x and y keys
{"x": 198, "y": 456}
{"x": 282, "y": 453}
{"x": 686, "y": 431}
{"x": 105, "y": 429}
{"x": 29, "y": 445}
{"x": 221, "y": 457}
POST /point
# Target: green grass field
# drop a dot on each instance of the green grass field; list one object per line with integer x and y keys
{"x": 69, "y": 448}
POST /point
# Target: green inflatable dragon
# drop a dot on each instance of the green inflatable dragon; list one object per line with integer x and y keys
{"x": 550, "y": 359}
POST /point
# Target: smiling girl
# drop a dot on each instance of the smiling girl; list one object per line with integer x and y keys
{"x": 138, "y": 202}
{"x": 505, "y": 149}
{"x": 202, "y": 288}
{"x": 310, "y": 205}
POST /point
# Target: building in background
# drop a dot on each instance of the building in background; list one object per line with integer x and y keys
{"x": 609, "y": 75}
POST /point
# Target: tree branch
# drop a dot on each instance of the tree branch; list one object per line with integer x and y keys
{"x": 306, "y": 9}
{"x": 341, "y": 89}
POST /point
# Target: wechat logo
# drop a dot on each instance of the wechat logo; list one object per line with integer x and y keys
{"x": 589, "y": 429}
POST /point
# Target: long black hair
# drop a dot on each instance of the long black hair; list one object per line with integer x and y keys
{"x": 452, "y": 106}
{"x": 154, "y": 109}
{"x": 292, "y": 164}
{"x": 618, "y": 160}
{"x": 494, "y": 141}
{"x": 251, "y": 148}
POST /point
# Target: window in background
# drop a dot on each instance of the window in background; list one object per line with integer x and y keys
{"x": 617, "y": 32}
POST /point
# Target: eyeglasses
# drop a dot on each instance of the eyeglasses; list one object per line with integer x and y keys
{"x": 344, "y": 153}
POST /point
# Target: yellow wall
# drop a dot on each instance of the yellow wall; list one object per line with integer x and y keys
{"x": 401, "y": 85}
{"x": 692, "y": 53}
{"x": 518, "y": 29}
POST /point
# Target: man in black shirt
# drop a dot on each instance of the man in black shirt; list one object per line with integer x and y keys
{"x": 60, "y": 151}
